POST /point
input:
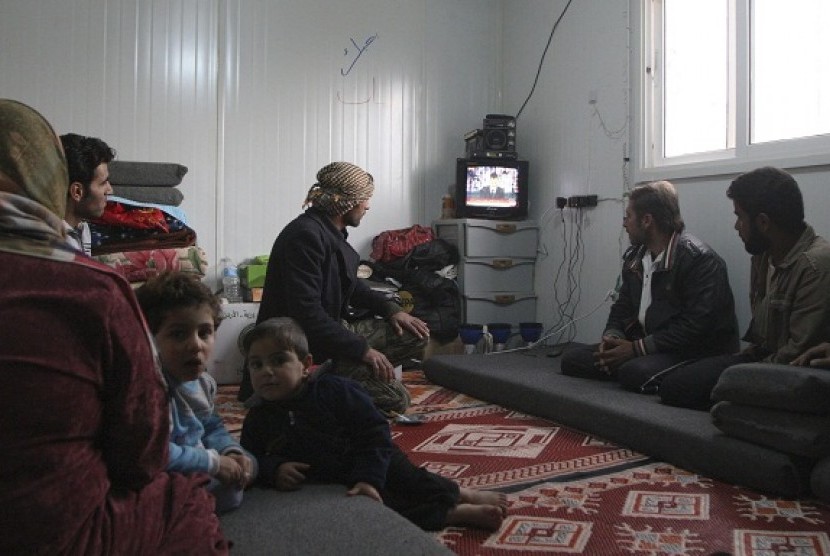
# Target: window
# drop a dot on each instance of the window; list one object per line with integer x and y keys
{"x": 728, "y": 83}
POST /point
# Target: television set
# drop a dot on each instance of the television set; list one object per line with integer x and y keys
{"x": 491, "y": 188}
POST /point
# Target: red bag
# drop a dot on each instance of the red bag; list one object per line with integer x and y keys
{"x": 394, "y": 244}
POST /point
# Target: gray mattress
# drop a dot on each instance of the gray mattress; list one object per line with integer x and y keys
{"x": 322, "y": 520}
{"x": 531, "y": 382}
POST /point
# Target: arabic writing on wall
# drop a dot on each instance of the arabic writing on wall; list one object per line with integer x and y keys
{"x": 355, "y": 52}
{"x": 359, "y": 50}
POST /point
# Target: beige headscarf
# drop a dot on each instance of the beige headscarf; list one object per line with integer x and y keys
{"x": 33, "y": 184}
{"x": 340, "y": 187}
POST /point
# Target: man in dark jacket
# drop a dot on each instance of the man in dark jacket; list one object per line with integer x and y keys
{"x": 312, "y": 277}
{"x": 674, "y": 304}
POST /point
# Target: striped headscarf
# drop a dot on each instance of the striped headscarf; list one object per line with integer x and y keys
{"x": 340, "y": 187}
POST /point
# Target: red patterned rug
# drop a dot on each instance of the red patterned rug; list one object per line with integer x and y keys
{"x": 573, "y": 493}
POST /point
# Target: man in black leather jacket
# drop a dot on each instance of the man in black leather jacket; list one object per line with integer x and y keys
{"x": 674, "y": 305}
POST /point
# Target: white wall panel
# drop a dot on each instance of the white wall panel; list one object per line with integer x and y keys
{"x": 390, "y": 86}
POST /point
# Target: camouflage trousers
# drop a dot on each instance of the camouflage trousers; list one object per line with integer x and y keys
{"x": 392, "y": 395}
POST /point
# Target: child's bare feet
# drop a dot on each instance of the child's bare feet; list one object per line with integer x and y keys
{"x": 487, "y": 497}
{"x": 481, "y": 516}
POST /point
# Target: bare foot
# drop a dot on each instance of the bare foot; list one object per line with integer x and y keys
{"x": 488, "y": 497}
{"x": 481, "y": 516}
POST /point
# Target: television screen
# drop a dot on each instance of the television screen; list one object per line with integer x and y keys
{"x": 494, "y": 189}
{"x": 496, "y": 186}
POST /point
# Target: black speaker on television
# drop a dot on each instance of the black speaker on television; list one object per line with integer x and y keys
{"x": 499, "y": 133}
{"x": 496, "y": 138}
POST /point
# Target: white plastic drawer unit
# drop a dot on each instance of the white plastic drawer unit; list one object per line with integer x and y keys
{"x": 490, "y": 238}
{"x": 510, "y": 307}
{"x": 504, "y": 274}
{"x": 501, "y": 239}
{"x": 496, "y": 269}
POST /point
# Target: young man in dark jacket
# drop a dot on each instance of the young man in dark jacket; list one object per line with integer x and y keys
{"x": 312, "y": 277}
{"x": 87, "y": 159}
{"x": 674, "y": 304}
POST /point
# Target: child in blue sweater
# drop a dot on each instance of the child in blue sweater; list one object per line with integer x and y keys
{"x": 325, "y": 428}
{"x": 183, "y": 315}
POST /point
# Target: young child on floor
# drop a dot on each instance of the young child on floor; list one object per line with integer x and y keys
{"x": 183, "y": 315}
{"x": 325, "y": 428}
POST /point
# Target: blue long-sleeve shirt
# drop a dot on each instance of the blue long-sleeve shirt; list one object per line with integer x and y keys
{"x": 197, "y": 434}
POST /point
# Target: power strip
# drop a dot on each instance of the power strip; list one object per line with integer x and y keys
{"x": 583, "y": 201}
{"x": 577, "y": 201}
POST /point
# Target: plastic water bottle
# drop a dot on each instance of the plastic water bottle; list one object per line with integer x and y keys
{"x": 230, "y": 283}
{"x": 487, "y": 337}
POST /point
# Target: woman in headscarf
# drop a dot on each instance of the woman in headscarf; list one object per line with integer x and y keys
{"x": 83, "y": 413}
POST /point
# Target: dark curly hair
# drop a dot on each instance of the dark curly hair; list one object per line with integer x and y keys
{"x": 173, "y": 290}
{"x": 771, "y": 191}
{"x": 83, "y": 156}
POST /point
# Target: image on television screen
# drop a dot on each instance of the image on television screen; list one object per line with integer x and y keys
{"x": 492, "y": 186}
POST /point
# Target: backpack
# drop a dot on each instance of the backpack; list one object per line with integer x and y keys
{"x": 395, "y": 244}
{"x": 424, "y": 293}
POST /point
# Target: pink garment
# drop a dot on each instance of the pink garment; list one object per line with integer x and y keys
{"x": 84, "y": 422}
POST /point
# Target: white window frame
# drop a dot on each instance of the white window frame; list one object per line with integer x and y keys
{"x": 648, "y": 164}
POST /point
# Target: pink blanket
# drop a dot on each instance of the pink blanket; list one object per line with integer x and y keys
{"x": 138, "y": 266}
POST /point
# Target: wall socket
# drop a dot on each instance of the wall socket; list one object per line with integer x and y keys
{"x": 583, "y": 201}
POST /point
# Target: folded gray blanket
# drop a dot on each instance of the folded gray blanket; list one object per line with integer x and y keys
{"x": 167, "y": 174}
{"x": 150, "y": 194}
{"x": 802, "y": 434}
{"x": 776, "y": 386}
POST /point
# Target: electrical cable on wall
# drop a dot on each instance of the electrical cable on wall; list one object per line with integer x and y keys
{"x": 569, "y": 271}
{"x": 567, "y": 277}
{"x": 611, "y": 134}
{"x": 577, "y": 260}
{"x": 563, "y": 264}
{"x": 542, "y": 59}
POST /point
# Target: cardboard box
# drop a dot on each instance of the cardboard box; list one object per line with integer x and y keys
{"x": 253, "y": 275}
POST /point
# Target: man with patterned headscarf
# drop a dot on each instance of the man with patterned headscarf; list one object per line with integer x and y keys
{"x": 312, "y": 277}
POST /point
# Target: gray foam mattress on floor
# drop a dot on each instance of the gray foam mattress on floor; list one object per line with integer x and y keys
{"x": 530, "y": 381}
{"x": 322, "y": 520}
